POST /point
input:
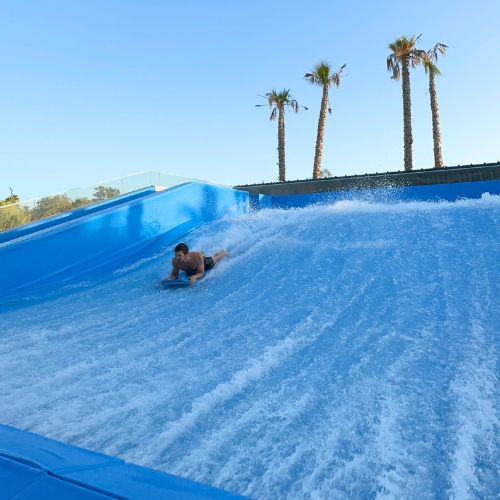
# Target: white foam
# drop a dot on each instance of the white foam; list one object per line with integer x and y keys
{"x": 339, "y": 351}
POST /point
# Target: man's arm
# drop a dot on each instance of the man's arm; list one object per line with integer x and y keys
{"x": 200, "y": 270}
{"x": 174, "y": 274}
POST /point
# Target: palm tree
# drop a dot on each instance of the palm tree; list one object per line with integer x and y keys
{"x": 322, "y": 75}
{"x": 432, "y": 70}
{"x": 405, "y": 54}
{"x": 279, "y": 102}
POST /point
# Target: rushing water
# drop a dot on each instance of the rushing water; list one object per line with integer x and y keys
{"x": 343, "y": 350}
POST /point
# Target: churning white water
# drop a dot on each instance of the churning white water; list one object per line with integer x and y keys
{"x": 342, "y": 350}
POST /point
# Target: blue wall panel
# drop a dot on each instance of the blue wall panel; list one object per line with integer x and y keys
{"x": 434, "y": 192}
{"x": 105, "y": 238}
{"x": 38, "y": 225}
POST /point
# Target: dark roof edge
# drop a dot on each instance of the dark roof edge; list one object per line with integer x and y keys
{"x": 445, "y": 175}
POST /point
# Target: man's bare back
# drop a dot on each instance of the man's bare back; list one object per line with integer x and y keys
{"x": 194, "y": 264}
{"x": 192, "y": 261}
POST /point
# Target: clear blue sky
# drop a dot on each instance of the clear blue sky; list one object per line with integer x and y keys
{"x": 96, "y": 89}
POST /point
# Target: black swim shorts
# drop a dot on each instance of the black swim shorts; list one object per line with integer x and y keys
{"x": 209, "y": 263}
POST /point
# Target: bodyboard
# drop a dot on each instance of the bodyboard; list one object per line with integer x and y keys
{"x": 181, "y": 281}
{"x": 175, "y": 283}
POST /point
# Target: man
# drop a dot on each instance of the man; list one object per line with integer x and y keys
{"x": 194, "y": 264}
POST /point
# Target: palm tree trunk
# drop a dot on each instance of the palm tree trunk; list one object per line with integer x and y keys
{"x": 318, "y": 153}
{"x": 408, "y": 137}
{"x": 436, "y": 131}
{"x": 281, "y": 144}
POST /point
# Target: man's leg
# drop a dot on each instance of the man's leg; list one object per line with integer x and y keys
{"x": 219, "y": 255}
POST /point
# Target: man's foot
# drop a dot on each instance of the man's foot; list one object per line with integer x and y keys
{"x": 219, "y": 255}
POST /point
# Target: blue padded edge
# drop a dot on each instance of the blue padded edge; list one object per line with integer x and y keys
{"x": 32, "y": 467}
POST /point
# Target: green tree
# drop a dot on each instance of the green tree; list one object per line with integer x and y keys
{"x": 11, "y": 213}
{"x": 432, "y": 70}
{"x": 13, "y": 198}
{"x": 103, "y": 193}
{"x": 324, "y": 172}
{"x": 322, "y": 75}
{"x": 13, "y": 216}
{"x": 80, "y": 202}
{"x": 51, "y": 205}
{"x": 279, "y": 102}
{"x": 405, "y": 55}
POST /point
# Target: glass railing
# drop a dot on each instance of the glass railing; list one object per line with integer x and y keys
{"x": 22, "y": 212}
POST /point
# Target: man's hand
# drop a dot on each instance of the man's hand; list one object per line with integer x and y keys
{"x": 192, "y": 280}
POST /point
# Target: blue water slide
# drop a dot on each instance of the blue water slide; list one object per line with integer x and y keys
{"x": 38, "y": 225}
{"x": 77, "y": 245}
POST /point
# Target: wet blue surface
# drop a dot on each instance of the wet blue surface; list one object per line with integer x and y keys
{"x": 347, "y": 350}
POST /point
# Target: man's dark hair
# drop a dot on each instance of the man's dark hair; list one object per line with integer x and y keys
{"x": 181, "y": 247}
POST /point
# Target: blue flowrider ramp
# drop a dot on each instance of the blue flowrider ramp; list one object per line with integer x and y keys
{"x": 345, "y": 350}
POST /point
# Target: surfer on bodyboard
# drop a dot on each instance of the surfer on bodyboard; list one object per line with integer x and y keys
{"x": 194, "y": 264}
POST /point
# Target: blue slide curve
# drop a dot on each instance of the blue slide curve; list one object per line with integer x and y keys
{"x": 73, "y": 215}
{"x": 344, "y": 349}
{"x": 79, "y": 245}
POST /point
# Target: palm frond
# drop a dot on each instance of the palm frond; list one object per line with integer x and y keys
{"x": 430, "y": 67}
{"x": 313, "y": 78}
{"x": 404, "y": 51}
{"x": 416, "y": 56}
{"x": 321, "y": 75}
{"x": 431, "y": 57}
{"x": 280, "y": 100}
{"x": 271, "y": 98}
{"x": 439, "y": 48}
{"x": 394, "y": 66}
{"x": 335, "y": 78}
